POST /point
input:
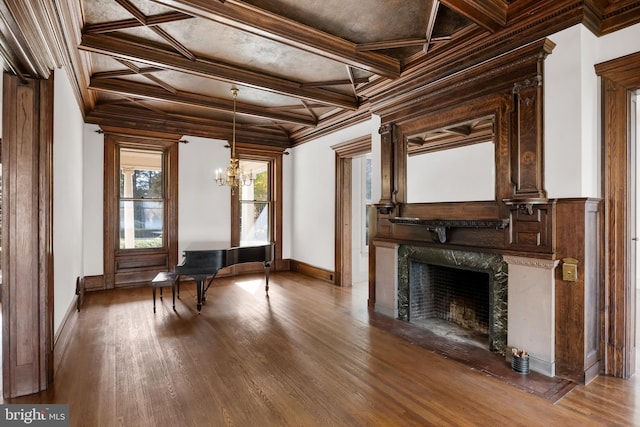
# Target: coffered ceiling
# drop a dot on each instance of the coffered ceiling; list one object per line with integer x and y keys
{"x": 300, "y": 65}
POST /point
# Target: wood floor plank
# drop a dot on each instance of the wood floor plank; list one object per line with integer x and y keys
{"x": 306, "y": 355}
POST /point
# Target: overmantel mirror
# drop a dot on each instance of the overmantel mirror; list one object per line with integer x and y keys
{"x": 457, "y": 155}
{"x": 455, "y": 163}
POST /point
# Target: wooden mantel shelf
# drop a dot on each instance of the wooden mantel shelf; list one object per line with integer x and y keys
{"x": 440, "y": 226}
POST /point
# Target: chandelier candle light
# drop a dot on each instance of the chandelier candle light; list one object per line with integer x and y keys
{"x": 233, "y": 176}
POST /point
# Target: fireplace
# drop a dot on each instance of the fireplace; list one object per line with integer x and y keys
{"x": 452, "y": 301}
{"x": 460, "y": 294}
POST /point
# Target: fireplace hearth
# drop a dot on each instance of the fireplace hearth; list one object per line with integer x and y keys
{"x": 459, "y": 295}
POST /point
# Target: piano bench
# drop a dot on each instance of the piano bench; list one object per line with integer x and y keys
{"x": 164, "y": 279}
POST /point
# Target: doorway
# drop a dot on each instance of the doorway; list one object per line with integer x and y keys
{"x": 361, "y": 199}
{"x": 620, "y": 82}
{"x": 353, "y": 162}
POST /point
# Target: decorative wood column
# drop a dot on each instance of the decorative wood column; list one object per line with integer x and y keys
{"x": 388, "y": 167}
{"x": 528, "y": 158}
{"x": 27, "y": 262}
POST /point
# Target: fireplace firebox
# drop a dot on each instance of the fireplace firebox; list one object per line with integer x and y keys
{"x": 454, "y": 301}
{"x": 460, "y": 294}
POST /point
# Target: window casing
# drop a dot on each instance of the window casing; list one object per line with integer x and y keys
{"x": 256, "y": 211}
{"x": 140, "y": 207}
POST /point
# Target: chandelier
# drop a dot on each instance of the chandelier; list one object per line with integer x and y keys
{"x": 233, "y": 176}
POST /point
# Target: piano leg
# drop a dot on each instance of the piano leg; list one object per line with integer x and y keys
{"x": 200, "y": 292}
{"x": 267, "y": 264}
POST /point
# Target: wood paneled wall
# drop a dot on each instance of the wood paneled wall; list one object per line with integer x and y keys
{"x": 577, "y": 304}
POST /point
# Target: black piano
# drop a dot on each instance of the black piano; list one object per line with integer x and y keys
{"x": 203, "y": 260}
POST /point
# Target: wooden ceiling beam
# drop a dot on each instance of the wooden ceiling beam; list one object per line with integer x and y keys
{"x": 296, "y": 107}
{"x": 391, "y": 44}
{"x": 141, "y": 119}
{"x": 246, "y": 17}
{"x": 357, "y": 80}
{"x": 121, "y": 73}
{"x": 489, "y": 14}
{"x": 309, "y": 110}
{"x": 147, "y": 53}
{"x": 124, "y": 24}
{"x": 431, "y": 24}
{"x": 141, "y": 17}
{"x": 148, "y": 76}
{"x": 141, "y": 90}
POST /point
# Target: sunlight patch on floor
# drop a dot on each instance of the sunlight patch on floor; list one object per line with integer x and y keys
{"x": 251, "y": 286}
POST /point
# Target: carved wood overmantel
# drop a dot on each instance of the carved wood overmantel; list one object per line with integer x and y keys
{"x": 509, "y": 89}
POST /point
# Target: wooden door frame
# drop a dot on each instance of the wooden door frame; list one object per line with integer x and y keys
{"x": 345, "y": 152}
{"x": 27, "y": 227}
{"x": 619, "y": 78}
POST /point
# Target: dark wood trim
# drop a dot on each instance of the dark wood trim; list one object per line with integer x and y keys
{"x": 311, "y": 271}
{"x": 388, "y": 166}
{"x": 345, "y": 152}
{"x": 272, "y": 155}
{"x": 122, "y": 116}
{"x": 123, "y": 48}
{"x": 27, "y": 231}
{"x": 254, "y": 20}
{"x": 132, "y": 267}
{"x": 489, "y": 14}
{"x": 154, "y": 92}
{"x": 577, "y": 303}
{"x": 343, "y": 229}
{"x": 493, "y": 89}
{"x": 93, "y": 283}
{"x": 618, "y": 78}
{"x": 332, "y": 123}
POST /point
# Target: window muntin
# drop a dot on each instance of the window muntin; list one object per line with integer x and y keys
{"x": 255, "y": 204}
{"x": 141, "y": 199}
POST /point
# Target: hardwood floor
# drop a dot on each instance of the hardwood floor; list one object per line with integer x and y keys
{"x": 307, "y": 355}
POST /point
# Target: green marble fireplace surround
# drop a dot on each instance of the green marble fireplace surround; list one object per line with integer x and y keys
{"x": 492, "y": 264}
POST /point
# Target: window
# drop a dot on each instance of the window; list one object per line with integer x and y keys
{"x": 255, "y": 204}
{"x": 140, "y": 206}
{"x": 141, "y": 198}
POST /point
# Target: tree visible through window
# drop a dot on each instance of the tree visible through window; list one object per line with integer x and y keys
{"x": 255, "y": 204}
{"x": 141, "y": 199}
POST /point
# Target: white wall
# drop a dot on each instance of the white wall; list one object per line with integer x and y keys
{"x": 67, "y": 195}
{"x": 93, "y": 196}
{"x": 204, "y": 209}
{"x": 572, "y": 104}
{"x": 309, "y": 196}
{"x": 287, "y": 204}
